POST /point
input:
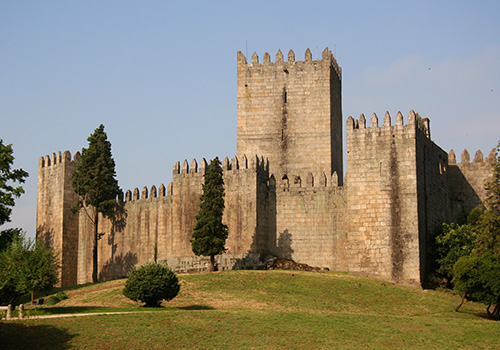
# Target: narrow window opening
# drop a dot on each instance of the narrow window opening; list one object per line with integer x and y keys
{"x": 284, "y": 97}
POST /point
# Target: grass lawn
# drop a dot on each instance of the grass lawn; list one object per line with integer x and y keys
{"x": 261, "y": 310}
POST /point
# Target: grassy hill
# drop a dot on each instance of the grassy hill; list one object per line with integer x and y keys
{"x": 261, "y": 310}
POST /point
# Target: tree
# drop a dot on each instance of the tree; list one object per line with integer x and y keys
{"x": 453, "y": 242}
{"x": 7, "y": 175}
{"x": 475, "y": 249}
{"x": 26, "y": 267}
{"x": 477, "y": 278}
{"x": 7, "y": 236}
{"x": 151, "y": 284}
{"x": 94, "y": 182}
{"x": 210, "y": 234}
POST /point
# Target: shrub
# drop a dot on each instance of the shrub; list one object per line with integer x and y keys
{"x": 151, "y": 284}
{"x": 61, "y": 295}
{"x": 52, "y": 300}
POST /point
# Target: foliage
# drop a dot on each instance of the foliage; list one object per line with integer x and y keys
{"x": 52, "y": 300}
{"x": 61, "y": 295}
{"x": 151, "y": 284}
{"x": 470, "y": 253}
{"x": 489, "y": 223}
{"x": 94, "y": 179}
{"x": 95, "y": 183}
{"x": 478, "y": 278}
{"x": 26, "y": 267}
{"x": 453, "y": 242}
{"x": 7, "y": 175}
{"x": 7, "y": 236}
{"x": 210, "y": 234}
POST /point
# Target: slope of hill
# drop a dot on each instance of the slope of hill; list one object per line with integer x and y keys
{"x": 263, "y": 310}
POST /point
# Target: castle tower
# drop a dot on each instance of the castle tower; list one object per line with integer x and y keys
{"x": 56, "y": 225}
{"x": 290, "y": 112}
{"x": 398, "y": 194}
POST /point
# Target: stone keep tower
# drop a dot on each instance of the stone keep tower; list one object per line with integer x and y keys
{"x": 291, "y": 113}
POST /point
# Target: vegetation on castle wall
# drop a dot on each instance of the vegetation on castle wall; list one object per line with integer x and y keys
{"x": 7, "y": 175}
{"x": 95, "y": 183}
{"x": 210, "y": 234}
{"x": 151, "y": 284}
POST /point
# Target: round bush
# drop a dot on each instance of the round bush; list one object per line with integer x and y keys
{"x": 152, "y": 283}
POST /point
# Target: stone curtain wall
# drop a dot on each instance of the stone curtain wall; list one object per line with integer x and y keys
{"x": 290, "y": 112}
{"x": 167, "y": 217}
{"x": 468, "y": 179}
{"x": 57, "y": 226}
{"x": 383, "y": 236}
{"x": 310, "y": 221}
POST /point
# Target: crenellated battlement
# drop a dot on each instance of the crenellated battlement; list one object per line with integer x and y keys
{"x": 465, "y": 157}
{"x": 152, "y": 193}
{"x": 326, "y": 57}
{"x": 196, "y": 170}
{"x": 58, "y": 158}
{"x": 414, "y": 120}
{"x": 309, "y": 181}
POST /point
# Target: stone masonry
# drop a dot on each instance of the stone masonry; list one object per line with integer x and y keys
{"x": 286, "y": 194}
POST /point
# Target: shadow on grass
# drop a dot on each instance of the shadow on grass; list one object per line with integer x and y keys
{"x": 69, "y": 310}
{"x": 485, "y": 316}
{"x": 196, "y": 307}
{"x": 20, "y": 336}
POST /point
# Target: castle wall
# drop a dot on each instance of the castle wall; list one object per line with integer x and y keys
{"x": 166, "y": 218}
{"x": 383, "y": 238}
{"x": 433, "y": 192}
{"x": 310, "y": 221}
{"x": 56, "y": 225}
{"x": 468, "y": 179}
{"x": 290, "y": 112}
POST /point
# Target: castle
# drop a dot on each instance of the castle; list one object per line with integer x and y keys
{"x": 285, "y": 191}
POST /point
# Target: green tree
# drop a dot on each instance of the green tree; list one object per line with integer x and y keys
{"x": 7, "y": 236}
{"x": 26, "y": 267}
{"x": 151, "y": 284}
{"x": 476, "y": 274}
{"x": 95, "y": 183}
{"x": 453, "y": 242}
{"x": 7, "y": 176}
{"x": 477, "y": 278}
{"x": 210, "y": 234}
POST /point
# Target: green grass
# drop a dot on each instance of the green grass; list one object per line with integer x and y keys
{"x": 262, "y": 310}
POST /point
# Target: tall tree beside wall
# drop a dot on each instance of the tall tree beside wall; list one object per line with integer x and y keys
{"x": 210, "y": 234}
{"x": 95, "y": 183}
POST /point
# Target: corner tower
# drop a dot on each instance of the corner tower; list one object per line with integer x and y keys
{"x": 56, "y": 225}
{"x": 291, "y": 113}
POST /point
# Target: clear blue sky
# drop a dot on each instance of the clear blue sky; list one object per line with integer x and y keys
{"x": 161, "y": 75}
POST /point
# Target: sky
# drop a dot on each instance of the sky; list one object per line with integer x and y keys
{"x": 161, "y": 75}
